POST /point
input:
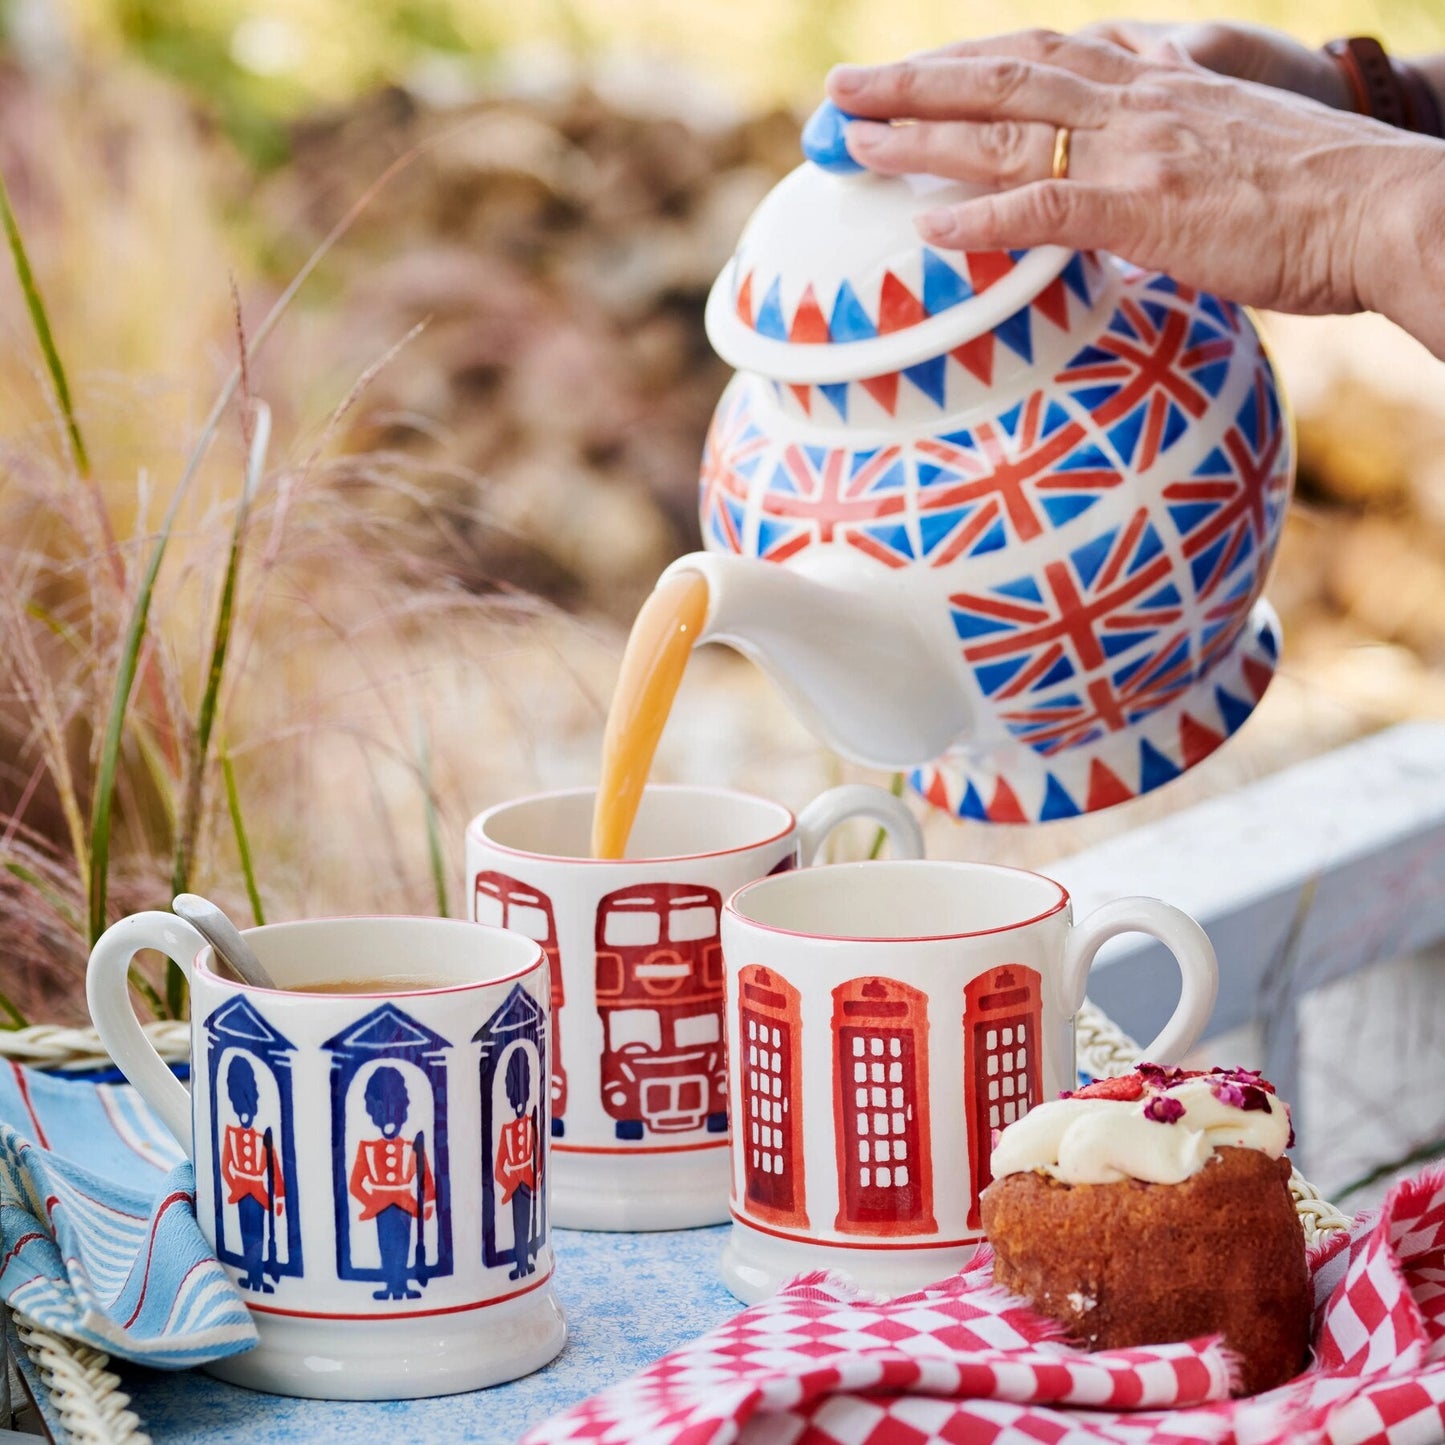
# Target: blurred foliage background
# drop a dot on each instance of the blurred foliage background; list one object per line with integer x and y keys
{"x": 488, "y": 403}
{"x": 260, "y": 62}
{"x": 256, "y": 64}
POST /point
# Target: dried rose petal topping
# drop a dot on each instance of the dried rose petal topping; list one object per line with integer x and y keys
{"x": 1249, "y": 1078}
{"x": 1245, "y": 1096}
{"x": 1127, "y": 1087}
{"x": 1164, "y": 1109}
{"x": 1159, "y": 1076}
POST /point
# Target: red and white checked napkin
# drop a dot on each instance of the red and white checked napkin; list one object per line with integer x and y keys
{"x": 961, "y": 1363}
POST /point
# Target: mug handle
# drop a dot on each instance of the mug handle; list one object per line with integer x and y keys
{"x": 857, "y": 800}
{"x": 1181, "y": 935}
{"x": 107, "y": 991}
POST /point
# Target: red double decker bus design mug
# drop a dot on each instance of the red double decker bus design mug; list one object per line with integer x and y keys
{"x": 883, "y": 1020}
{"x": 371, "y": 1164}
{"x": 639, "y": 1112}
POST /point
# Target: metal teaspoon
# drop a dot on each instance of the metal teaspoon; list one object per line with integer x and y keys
{"x": 224, "y": 938}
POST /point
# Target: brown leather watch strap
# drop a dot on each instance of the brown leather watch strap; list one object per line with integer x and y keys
{"x": 1386, "y": 89}
{"x": 1421, "y": 101}
{"x": 1371, "y": 78}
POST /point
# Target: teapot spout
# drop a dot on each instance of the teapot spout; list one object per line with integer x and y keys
{"x": 850, "y": 655}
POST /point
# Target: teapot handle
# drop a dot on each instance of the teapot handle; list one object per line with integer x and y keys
{"x": 857, "y": 800}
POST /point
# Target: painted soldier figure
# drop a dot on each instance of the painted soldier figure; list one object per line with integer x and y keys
{"x": 391, "y": 1178}
{"x": 253, "y": 1182}
{"x": 516, "y": 1171}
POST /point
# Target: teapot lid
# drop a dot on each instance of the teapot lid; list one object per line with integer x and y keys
{"x": 831, "y": 280}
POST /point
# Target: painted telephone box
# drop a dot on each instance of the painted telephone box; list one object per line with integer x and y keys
{"x": 880, "y": 1062}
{"x": 770, "y": 1070}
{"x": 513, "y": 1065}
{"x": 1002, "y": 1012}
{"x": 253, "y": 1146}
{"x": 389, "y": 1153}
{"x": 660, "y": 999}
{"x": 506, "y": 902}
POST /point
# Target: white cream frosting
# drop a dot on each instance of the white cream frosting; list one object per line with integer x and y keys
{"x": 1101, "y": 1141}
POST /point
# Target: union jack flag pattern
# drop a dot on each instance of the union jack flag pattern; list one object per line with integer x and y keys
{"x": 1100, "y": 542}
{"x": 820, "y": 496}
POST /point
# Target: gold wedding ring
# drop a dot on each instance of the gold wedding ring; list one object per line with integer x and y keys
{"x": 1060, "y": 168}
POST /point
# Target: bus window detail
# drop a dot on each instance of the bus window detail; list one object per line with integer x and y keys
{"x": 880, "y": 1119}
{"x": 1001, "y": 1065}
{"x": 769, "y": 1043}
{"x": 660, "y": 998}
{"x": 507, "y": 902}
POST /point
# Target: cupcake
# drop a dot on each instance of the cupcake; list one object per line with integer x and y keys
{"x": 1156, "y": 1207}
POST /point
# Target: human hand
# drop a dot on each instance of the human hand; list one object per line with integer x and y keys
{"x": 1259, "y": 194}
{"x": 1247, "y": 52}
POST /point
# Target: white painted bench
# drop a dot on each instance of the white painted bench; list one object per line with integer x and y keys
{"x": 1323, "y": 871}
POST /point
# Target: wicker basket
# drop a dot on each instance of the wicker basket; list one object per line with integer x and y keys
{"x": 86, "y": 1395}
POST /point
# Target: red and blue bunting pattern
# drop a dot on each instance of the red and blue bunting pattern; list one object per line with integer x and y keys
{"x": 893, "y": 305}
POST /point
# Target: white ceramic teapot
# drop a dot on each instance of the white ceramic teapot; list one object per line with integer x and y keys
{"x": 1000, "y": 519}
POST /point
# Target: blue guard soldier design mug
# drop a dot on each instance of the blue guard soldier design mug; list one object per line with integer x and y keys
{"x": 371, "y": 1161}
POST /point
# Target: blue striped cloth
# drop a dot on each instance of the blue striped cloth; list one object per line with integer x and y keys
{"x": 98, "y": 1233}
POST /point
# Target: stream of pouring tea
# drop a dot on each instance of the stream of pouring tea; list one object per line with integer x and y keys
{"x": 663, "y": 635}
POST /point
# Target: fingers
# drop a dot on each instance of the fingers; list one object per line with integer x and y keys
{"x": 1143, "y": 39}
{"x": 1093, "y": 53}
{"x": 993, "y": 153}
{"x": 1045, "y": 213}
{"x": 982, "y": 88}
{"x": 1246, "y": 52}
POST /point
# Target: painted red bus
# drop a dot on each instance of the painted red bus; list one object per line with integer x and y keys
{"x": 507, "y": 902}
{"x": 660, "y": 998}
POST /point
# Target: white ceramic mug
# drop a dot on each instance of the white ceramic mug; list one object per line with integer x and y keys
{"x": 639, "y": 1110}
{"x": 371, "y": 1168}
{"x": 884, "y": 1019}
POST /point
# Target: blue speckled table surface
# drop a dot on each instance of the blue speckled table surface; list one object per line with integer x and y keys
{"x": 628, "y": 1298}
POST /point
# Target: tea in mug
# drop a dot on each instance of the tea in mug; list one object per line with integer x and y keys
{"x": 380, "y": 983}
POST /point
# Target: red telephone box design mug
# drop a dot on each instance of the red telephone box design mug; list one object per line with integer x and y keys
{"x": 639, "y": 1116}
{"x": 883, "y": 1019}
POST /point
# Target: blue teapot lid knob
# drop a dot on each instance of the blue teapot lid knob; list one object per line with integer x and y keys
{"x": 823, "y": 142}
